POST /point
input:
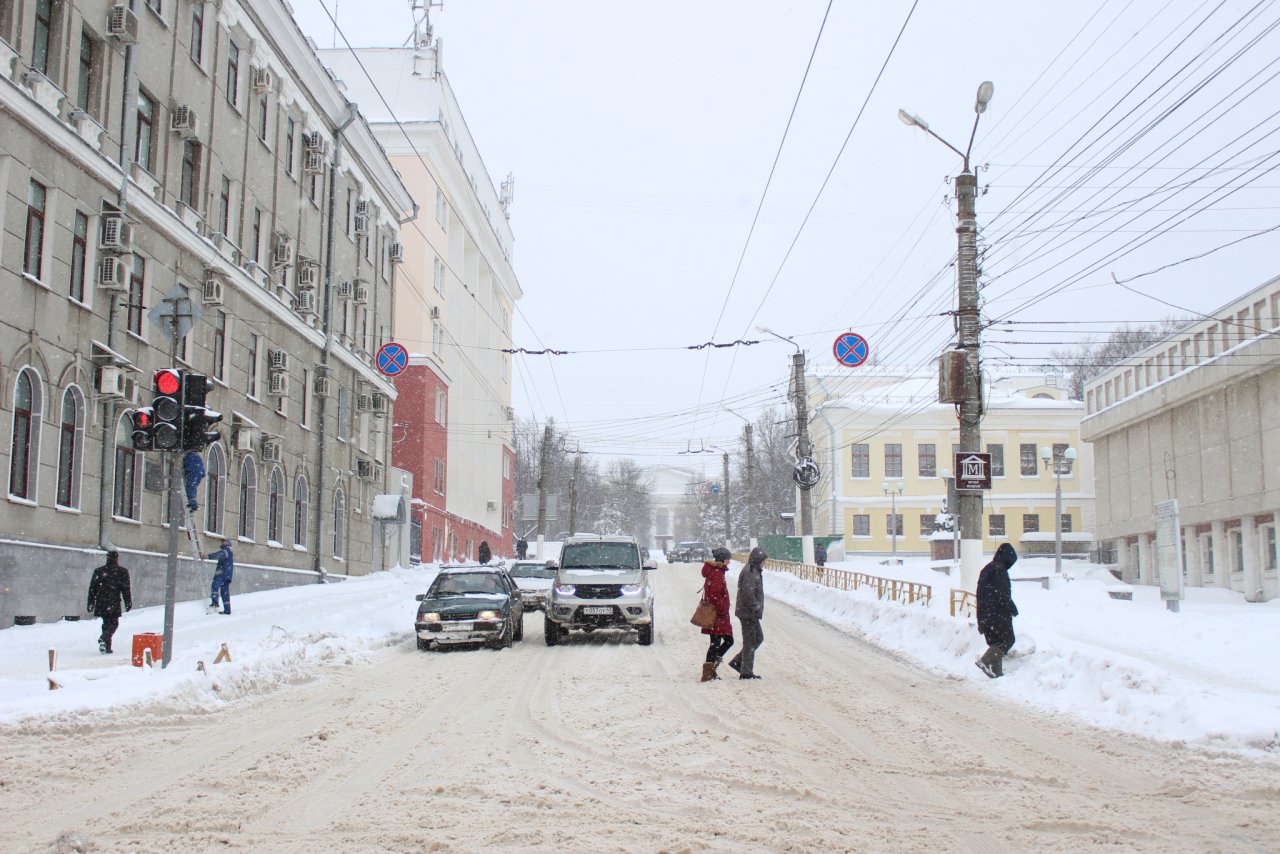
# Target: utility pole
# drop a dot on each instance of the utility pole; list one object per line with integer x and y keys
{"x": 573, "y": 492}
{"x": 804, "y": 450}
{"x": 751, "y": 485}
{"x": 542, "y": 491}
{"x": 727, "y": 530}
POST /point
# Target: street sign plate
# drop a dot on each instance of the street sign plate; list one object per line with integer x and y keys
{"x": 851, "y": 350}
{"x": 177, "y": 302}
{"x": 973, "y": 470}
{"x": 392, "y": 359}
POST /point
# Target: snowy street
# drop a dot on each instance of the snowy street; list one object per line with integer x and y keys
{"x": 599, "y": 744}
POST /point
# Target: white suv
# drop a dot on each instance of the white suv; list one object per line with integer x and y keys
{"x": 600, "y": 584}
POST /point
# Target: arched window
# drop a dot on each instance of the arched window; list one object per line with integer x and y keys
{"x": 70, "y": 448}
{"x": 215, "y": 489}
{"x": 248, "y": 497}
{"x": 24, "y": 456}
{"x": 127, "y": 492}
{"x": 301, "y": 500}
{"x": 275, "y": 507}
{"x": 339, "y": 524}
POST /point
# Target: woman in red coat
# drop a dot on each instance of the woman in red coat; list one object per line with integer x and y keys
{"x": 716, "y": 592}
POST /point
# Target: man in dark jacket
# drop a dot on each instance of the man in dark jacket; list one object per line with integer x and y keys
{"x": 108, "y": 585}
{"x": 485, "y": 555}
{"x": 192, "y": 474}
{"x": 750, "y": 610}
{"x": 996, "y": 610}
{"x": 522, "y": 548}
{"x": 222, "y": 577}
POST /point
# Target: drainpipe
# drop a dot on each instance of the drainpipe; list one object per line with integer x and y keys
{"x": 322, "y": 433}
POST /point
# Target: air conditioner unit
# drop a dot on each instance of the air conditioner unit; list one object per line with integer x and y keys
{"x": 313, "y": 163}
{"x": 113, "y": 273}
{"x": 361, "y": 295}
{"x": 323, "y": 387}
{"x": 313, "y": 141}
{"x": 184, "y": 121}
{"x": 116, "y": 235}
{"x": 282, "y": 253}
{"x": 364, "y": 403}
{"x": 379, "y": 403}
{"x": 278, "y": 384}
{"x": 244, "y": 441}
{"x": 213, "y": 288}
{"x": 307, "y": 274}
{"x": 344, "y": 290}
{"x": 271, "y": 452}
{"x": 491, "y": 504}
{"x": 264, "y": 80}
{"x": 122, "y": 24}
{"x": 364, "y": 469}
{"x": 278, "y": 360}
{"x": 111, "y": 382}
{"x": 435, "y": 312}
{"x": 304, "y": 302}
{"x": 362, "y": 224}
{"x": 397, "y": 253}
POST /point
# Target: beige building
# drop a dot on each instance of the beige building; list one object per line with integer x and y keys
{"x": 874, "y": 427}
{"x": 1196, "y": 418}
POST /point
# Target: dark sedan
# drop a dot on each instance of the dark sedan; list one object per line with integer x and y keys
{"x": 470, "y": 605}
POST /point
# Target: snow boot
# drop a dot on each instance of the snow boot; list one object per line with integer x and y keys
{"x": 708, "y": 671}
{"x": 735, "y": 663}
{"x": 990, "y": 663}
{"x": 748, "y": 676}
{"x": 102, "y": 646}
{"x": 715, "y": 665}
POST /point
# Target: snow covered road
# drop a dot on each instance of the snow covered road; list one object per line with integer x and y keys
{"x": 604, "y": 745}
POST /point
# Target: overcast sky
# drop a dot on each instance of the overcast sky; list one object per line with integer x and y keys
{"x": 1122, "y": 137}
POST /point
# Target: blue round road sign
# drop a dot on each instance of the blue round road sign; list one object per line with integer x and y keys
{"x": 392, "y": 359}
{"x": 851, "y": 350}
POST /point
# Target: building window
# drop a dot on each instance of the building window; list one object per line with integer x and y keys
{"x": 155, "y": 6}
{"x": 197, "y": 33}
{"x": 233, "y": 73}
{"x": 344, "y": 413}
{"x": 143, "y": 144}
{"x": 438, "y": 482}
{"x": 87, "y": 78}
{"x": 224, "y": 207}
{"x": 219, "y": 344}
{"x": 301, "y": 500}
{"x": 438, "y": 277}
{"x": 893, "y": 460}
{"x": 24, "y": 451}
{"x": 441, "y": 407}
{"x": 264, "y": 116}
{"x": 893, "y": 524}
{"x": 339, "y": 524}
{"x": 995, "y": 525}
{"x": 1059, "y": 451}
{"x": 70, "y": 448}
{"x": 290, "y": 131}
{"x": 442, "y": 210}
{"x": 251, "y": 369}
{"x": 33, "y": 259}
{"x": 861, "y": 460}
{"x": 861, "y": 525}
{"x": 248, "y": 497}
{"x": 128, "y": 473}
{"x": 437, "y": 337}
{"x": 1030, "y": 523}
{"x": 137, "y": 291}
{"x": 313, "y": 190}
{"x": 189, "y": 182}
{"x": 997, "y": 460}
{"x": 215, "y": 483}
{"x": 926, "y": 524}
{"x": 1027, "y": 459}
{"x": 79, "y": 252}
{"x": 305, "y": 418}
{"x": 928, "y": 455}
{"x": 1065, "y": 522}
{"x": 44, "y": 42}
{"x": 275, "y": 507}
{"x": 255, "y": 237}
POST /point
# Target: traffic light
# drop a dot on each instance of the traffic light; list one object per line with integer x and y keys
{"x": 166, "y": 406}
{"x": 142, "y": 420}
{"x": 198, "y": 431}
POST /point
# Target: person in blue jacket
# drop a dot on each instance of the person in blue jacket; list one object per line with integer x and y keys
{"x": 222, "y": 577}
{"x": 192, "y": 474}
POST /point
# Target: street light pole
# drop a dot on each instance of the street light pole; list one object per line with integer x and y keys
{"x": 1060, "y": 467}
{"x": 804, "y": 448}
{"x": 748, "y": 431}
{"x": 969, "y": 336}
{"x": 727, "y": 530}
{"x": 893, "y": 514}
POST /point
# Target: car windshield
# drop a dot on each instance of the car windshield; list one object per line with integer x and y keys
{"x": 532, "y": 570}
{"x": 600, "y": 556}
{"x": 459, "y": 584}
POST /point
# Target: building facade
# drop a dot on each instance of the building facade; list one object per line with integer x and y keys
{"x": 1196, "y": 418}
{"x": 197, "y": 153}
{"x": 874, "y": 429}
{"x": 455, "y": 299}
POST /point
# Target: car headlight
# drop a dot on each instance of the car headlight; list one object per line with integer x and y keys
{"x": 429, "y": 617}
{"x": 632, "y": 589}
{"x": 487, "y": 615}
{"x": 566, "y": 589}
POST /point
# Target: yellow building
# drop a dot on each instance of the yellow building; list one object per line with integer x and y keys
{"x": 877, "y": 429}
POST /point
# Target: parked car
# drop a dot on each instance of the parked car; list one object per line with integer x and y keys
{"x": 534, "y": 578}
{"x": 690, "y": 551}
{"x": 470, "y": 603}
{"x": 600, "y": 583}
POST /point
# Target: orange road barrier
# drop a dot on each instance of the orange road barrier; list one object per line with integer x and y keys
{"x": 147, "y": 642}
{"x": 905, "y": 592}
{"x": 224, "y": 654}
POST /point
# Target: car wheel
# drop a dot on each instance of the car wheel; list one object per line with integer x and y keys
{"x": 646, "y": 632}
{"x": 424, "y": 645}
{"x": 508, "y": 636}
{"x": 504, "y": 640}
{"x": 519, "y": 632}
{"x": 550, "y": 631}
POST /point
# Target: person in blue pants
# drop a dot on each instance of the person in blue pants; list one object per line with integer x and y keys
{"x": 192, "y": 474}
{"x": 222, "y": 577}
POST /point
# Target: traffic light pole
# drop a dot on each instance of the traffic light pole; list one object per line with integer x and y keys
{"x": 171, "y": 567}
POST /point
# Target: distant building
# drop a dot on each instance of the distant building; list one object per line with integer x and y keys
{"x": 672, "y": 493}
{"x": 1196, "y": 417}
{"x": 873, "y": 427}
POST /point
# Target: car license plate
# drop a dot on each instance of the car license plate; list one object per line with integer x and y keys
{"x": 597, "y": 609}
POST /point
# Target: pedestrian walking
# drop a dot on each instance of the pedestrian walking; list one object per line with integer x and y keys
{"x": 192, "y": 474}
{"x": 522, "y": 548}
{"x": 750, "y": 611}
{"x": 716, "y": 592}
{"x": 485, "y": 554}
{"x": 108, "y": 587}
{"x": 226, "y": 568}
{"x": 820, "y": 554}
{"x": 996, "y": 610}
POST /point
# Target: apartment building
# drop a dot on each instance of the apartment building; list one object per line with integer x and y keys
{"x": 886, "y": 448}
{"x": 196, "y": 159}
{"x": 1196, "y": 418}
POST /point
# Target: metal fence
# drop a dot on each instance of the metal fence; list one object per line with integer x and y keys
{"x": 895, "y": 590}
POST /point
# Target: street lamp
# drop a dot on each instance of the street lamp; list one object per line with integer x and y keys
{"x": 747, "y": 432}
{"x": 893, "y": 514}
{"x": 1059, "y": 467}
{"x": 969, "y": 326}
{"x": 804, "y": 449}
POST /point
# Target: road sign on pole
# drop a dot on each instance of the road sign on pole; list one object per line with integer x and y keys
{"x": 851, "y": 350}
{"x": 392, "y": 359}
{"x": 176, "y": 314}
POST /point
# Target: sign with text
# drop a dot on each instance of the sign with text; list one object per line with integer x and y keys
{"x": 1169, "y": 551}
{"x": 973, "y": 470}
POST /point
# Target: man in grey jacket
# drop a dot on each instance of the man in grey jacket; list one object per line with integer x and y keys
{"x": 750, "y": 610}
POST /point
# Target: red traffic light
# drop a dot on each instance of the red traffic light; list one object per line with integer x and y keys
{"x": 142, "y": 419}
{"x": 168, "y": 381}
